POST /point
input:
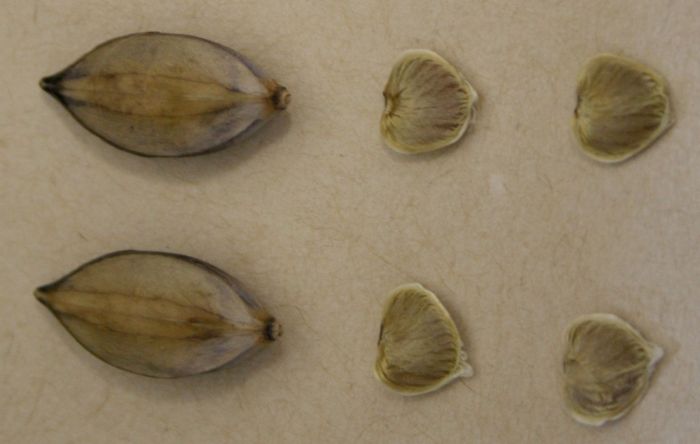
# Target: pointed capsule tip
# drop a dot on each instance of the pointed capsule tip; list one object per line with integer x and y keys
{"x": 46, "y": 84}
{"x": 41, "y": 294}
{"x": 52, "y": 84}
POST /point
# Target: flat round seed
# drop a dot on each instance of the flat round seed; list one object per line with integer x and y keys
{"x": 607, "y": 366}
{"x": 419, "y": 347}
{"x": 622, "y": 108}
{"x": 428, "y": 103}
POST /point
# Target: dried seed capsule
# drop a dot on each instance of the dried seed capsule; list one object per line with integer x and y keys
{"x": 166, "y": 95}
{"x": 159, "y": 314}
{"x": 428, "y": 104}
{"x": 607, "y": 367}
{"x": 623, "y": 107}
{"x": 419, "y": 347}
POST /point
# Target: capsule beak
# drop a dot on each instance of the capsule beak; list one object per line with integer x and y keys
{"x": 40, "y": 294}
{"x": 278, "y": 96}
{"x": 52, "y": 85}
{"x": 273, "y": 330}
{"x": 281, "y": 98}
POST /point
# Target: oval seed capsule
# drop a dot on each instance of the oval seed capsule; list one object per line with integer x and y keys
{"x": 607, "y": 366}
{"x": 166, "y": 95}
{"x": 428, "y": 103}
{"x": 159, "y": 314}
{"x": 419, "y": 347}
{"x": 622, "y": 108}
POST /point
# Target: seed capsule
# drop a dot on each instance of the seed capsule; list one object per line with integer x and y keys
{"x": 419, "y": 347}
{"x": 428, "y": 104}
{"x": 607, "y": 367}
{"x": 623, "y": 107}
{"x": 166, "y": 95}
{"x": 159, "y": 314}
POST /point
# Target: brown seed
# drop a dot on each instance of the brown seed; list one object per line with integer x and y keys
{"x": 166, "y": 95}
{"x": 159, "y": 314}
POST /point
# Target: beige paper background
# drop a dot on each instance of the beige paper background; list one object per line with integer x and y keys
{"x": 513, "y": 228}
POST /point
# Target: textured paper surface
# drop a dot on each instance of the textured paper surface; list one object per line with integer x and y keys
{"x": 513, "y": 228}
